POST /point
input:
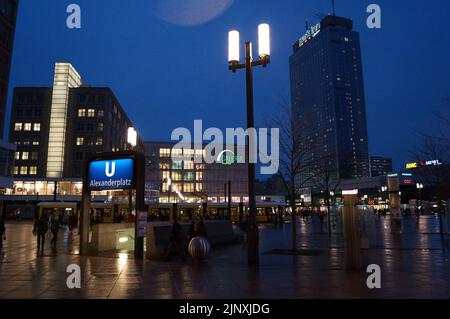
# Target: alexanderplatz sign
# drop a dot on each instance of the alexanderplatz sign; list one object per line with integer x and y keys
{"x": 115, "y": 172}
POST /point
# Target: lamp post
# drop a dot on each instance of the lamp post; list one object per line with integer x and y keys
{"x": 234, "y": 64}
{"x": 419, "y": 187}
{"x": 132, "y": 141}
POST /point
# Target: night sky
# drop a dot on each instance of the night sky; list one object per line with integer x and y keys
{"x": 166, "y": 60}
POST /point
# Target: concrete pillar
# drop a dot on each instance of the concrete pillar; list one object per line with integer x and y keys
{"x": 352, "y": 253}
{"x": 394, "y": 202}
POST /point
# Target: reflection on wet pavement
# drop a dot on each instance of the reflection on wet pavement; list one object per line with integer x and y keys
{"x": 414, "y": 263}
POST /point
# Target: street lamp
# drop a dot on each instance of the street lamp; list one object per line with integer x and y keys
{"x": 132, "y": 137}
{"x": 234, "y": 64}
{"x": 419, "y": 187}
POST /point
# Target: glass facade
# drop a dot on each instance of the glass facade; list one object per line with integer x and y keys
{"x": 328, "y": 103}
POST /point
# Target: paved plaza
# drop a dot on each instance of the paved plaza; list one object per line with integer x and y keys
{"x": 414, "y": 264}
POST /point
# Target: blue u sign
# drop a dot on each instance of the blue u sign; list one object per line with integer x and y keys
{"x": 111, "y": 174}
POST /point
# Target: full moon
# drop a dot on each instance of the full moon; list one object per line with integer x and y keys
{"x": 190, "y": 12}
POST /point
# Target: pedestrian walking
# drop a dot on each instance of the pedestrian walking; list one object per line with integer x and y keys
{"x": 176, "y": 240}
{"x": 54, "y": 228}
{"x": 2, "y": 233}
{"x": 40, "y": 230}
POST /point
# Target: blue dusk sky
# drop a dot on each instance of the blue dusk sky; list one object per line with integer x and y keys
{"x": 166, "y": 60}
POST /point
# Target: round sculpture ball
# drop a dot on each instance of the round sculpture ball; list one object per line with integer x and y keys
{"x": 199, "y": 248}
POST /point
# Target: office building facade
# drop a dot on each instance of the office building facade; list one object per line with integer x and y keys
{"x": 8, "y": 16}
{"x": 55, "y": 129}
{"x": 328, "y": 104}
{"x": 380, "y": 166}
{"x": 173, "y": 175}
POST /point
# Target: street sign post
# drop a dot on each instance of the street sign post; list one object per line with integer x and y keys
{"x": 114, "y": 171}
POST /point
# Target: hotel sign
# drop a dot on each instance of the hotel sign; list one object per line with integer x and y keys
{"x": 111, "y": 174}
{"x": 311, "y": 33}
{"x": 423, "y": 164}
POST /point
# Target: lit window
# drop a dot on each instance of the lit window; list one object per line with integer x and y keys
{"x": 165, "y": 175}
{"x": 35, "y": 142}
{"x": 80, "y": 141}
{"x": 100, "y": 113}
{"x": 188, "y": 187}
{"x": 100, "y": 127}
{"x": 189, "y": 176}
{"x": 177, "y": 164}
{"x": 16, "y": 170}
{"x": 81, "y": 112}
{"x": 27, "y": 127}
{"x": 33, "y": 170}
{"x": 176, "y": 176}
{"x": 17, "y": 155}
{"x": 18, "y": 127}
{"x": 36, "y": 127}
{"x": 198, "y": 187}
{"x": 176, "y": 152}
{"x": 164, "y": 166}
{"x": 23, "y": 170}
{"x": 34, "y": 156}
{"x": 164, "y": 152}
{"x": 25, "y": 156}
{"x": 188, "y": 153}
{"x": 99, "y": 141}
{"x": 91, "y": 113}
{"x": 188, "y": 165}
{"x": 199, "y": 176}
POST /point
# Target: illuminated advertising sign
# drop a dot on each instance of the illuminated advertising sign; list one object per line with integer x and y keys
{"x": 411, "y": 165}
{"x": 423, "y": 164}
{"x": 111, "y": 174}
{"x": 311, "y": 33}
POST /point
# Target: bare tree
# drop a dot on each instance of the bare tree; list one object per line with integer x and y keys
{"x": 294, "y": 157}
{"x": 324, "y": 178}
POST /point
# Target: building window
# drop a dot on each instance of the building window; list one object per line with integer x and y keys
{"x": 16, "y": 155}
{"x": 33, "y": 170}
{"x": 199, "y": 176}
{"x": 25, "y": 156}
{"x": 100, "y": 113}
{"x": 16, "y": 170}
{"x": 165, "y": 175}
{"x": 36, "y": 142}
{"x": 188, "y": 165}
{"x": 100, "y": 127}
{"x": 189, "y": 176}
{"x": 78, "y": 156}
{"x": 23, "y": 170}
{"x": 91, "y": 113}
{"x": 36, "y": 127}
{"x": 26, "y": 142}
{"x": 164, "y": 152}
{"x": 27, "y": 127}
{"x": 176, "y": 176}
{"x": 34, "y": 156}
{"x": 177, "y": 152}
{"x": 188, "y": 187}
{"x": 177, "y": 164}
{"x": 164, "y": 166}
{"x": 18, "y": 127}
{"x": 80, "y": 141}
{"x": 99, "y": 141}
{"x": 198, "y": 187}
{"x": 81, "y": 112}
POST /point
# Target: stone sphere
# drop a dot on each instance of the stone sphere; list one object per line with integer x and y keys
{"x": 199, "y": 248}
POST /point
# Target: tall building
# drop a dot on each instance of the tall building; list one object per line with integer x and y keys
{"x": 380, "y": 166}
{"x": 8, "y": 16}
{"x": 173, "y": 175}
{"x": 56, "y": 128}
{"x": 327, "y": 93}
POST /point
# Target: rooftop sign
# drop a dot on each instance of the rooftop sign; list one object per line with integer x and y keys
{"x": 310, "y": 33}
